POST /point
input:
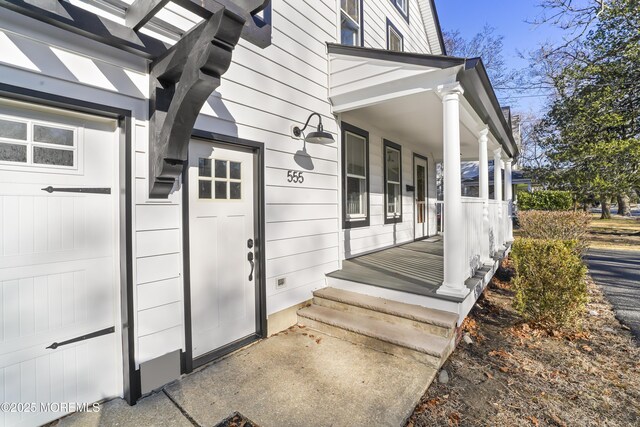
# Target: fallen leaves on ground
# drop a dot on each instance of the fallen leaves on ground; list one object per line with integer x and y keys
{"x": 522, "y": 375}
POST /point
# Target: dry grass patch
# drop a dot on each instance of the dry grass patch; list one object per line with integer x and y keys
{"x": 615, "y": 233}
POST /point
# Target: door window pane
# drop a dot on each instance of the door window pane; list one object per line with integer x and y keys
{"x": 204, "y": 167}
{"x": 421, "y": 184}
{"x": 13, "y": 153}
{"x": 221, "y": 189}
{"x": 50, "y": 156}
{"x": 51, "y": 135}
{"x": 221, "y": 168}
{"x": 204, "y": 189}
{"x": 235, "y": 170}
{"x": 13, "y": 130}
{"x": 235, "y": 190}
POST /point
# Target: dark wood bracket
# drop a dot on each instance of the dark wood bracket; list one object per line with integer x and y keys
{"x": 182, "y": 76}
{"x": 181, "y": 81}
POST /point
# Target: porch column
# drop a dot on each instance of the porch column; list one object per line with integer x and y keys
{"x": 508, "y": 197}
{"x": 483, "y": 181}
{"x": 454, "y": 238}
{"x": 497, "y": 195}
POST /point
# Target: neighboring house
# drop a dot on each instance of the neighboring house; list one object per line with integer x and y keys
{"x": 471, "y": 180}
{"x": 156, "y": 211}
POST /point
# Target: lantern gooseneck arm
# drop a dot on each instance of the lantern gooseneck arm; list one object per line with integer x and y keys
{"x": 309, "y": 119}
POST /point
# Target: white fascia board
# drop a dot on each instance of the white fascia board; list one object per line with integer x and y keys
{"x": 376, "y": 89}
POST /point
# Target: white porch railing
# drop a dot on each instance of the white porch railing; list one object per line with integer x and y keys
{"x": 440, "y": 216}
{"x": 495, "y": 231}
{"x": 474, "y": 237}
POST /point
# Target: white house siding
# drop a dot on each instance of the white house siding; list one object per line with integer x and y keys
{"x": 378, "y": 235}
{"x": 264, "y": 92}
{"x": 376, "y": 14}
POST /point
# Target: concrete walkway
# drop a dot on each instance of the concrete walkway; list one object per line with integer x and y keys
{"x": 618, "y": 273}
{"x": 289, "y": 379}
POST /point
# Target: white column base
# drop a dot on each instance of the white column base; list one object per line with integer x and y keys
{"x": 453, "y": 291}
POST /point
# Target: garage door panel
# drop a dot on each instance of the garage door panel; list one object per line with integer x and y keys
{"x": 63, "y": 301}
{"x": 46, "y": 224}
{"x": 67, "y": 374}
{"x": 59, "y": 277}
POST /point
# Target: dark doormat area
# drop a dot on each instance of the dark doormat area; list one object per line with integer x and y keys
{"x": 237, "y": 420}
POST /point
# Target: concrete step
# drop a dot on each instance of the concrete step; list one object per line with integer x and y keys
{"x": 433, "y": 321}
{"x": 398, "y": 339}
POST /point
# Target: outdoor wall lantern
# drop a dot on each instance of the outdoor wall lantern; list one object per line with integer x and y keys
{"x": 317, "y": 137}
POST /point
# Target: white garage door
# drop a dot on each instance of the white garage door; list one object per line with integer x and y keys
{"x": 59, "y": 265}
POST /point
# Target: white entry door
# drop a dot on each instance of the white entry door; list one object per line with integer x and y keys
{"x": 222, "y": 237}
{"x": 59, "y": 263}
{"x": 421, "y": 213}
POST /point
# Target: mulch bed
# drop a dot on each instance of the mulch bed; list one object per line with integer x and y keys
{"x": 515, "y": 375}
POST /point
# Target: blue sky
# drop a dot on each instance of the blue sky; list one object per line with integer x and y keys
{"x": 508, "y": 17}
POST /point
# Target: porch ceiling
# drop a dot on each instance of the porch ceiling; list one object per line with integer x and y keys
{"x": 402, "y": 86}
{"x": 416, "y": 119}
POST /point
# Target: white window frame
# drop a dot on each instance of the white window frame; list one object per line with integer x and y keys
{"x": 395, "y": 216}
{"x": 228, "y": 180}
{"x": 361, "y": 219}
{"x": 363, "y": 204}
{"x": 29, "y": 165}
{"x": 360, "y": 37}
{"x": 392, "y": 29}
{"x": 402, "y": 8}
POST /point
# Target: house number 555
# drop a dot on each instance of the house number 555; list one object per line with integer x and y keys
{"x": 294, "y": 176}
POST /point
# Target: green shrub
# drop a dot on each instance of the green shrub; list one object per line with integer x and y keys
{"x": 545, "y": 200}
{"x": 550, "y": 285}
{"x": 567, "y": 225}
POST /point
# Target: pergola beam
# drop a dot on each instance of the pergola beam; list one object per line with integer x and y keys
{"x": 80, "y": 21}
{"x": 141, "y": 11}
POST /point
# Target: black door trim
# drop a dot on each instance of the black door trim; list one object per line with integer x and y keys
{"x": 426, "y": 159}
{"x": 188, "y": 362}
{"x": 131, "y": 376}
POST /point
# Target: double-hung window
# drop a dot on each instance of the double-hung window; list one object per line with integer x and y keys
{"x": 403, "y": 7}
{"x": 351, "y": 22}
{"x": 392, "y": 182}
{"x": 355, "y": 159}
{"x": 395, "y": 41}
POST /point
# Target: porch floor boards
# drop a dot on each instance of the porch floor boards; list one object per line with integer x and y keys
{"x": 416, "y": 267}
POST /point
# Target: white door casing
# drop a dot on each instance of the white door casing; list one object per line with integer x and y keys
{"x": 421, "y": 202}
{"x": 59, "y": 261}
{"x": 221, "y": 222}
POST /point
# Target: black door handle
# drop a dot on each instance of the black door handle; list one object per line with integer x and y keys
{"x": 250, "y": 259}
{"x": 250, "y": 243}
